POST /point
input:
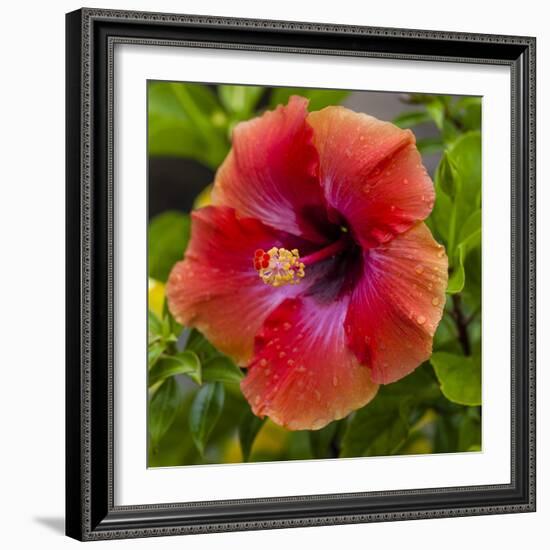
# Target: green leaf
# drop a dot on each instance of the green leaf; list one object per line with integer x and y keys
{"x": 154, "y": 351}
{"x": 240, "y": 100}
{"x": 436, "y": 111}
{"x": 321, "y": 440}
{"x": 459, "y": 377}
{"x": 185, "y": 362}
{"x": 168, "y": 235}
{"x": 458, "y": 198}
{"x": 430, "y": 146}
{"x": 154, "y": 325}
{"x": 408, "y": 119}
{"x": 318, "y": 98}
{"x": 221, "y": 369}
{"x": 471, "y": 225}
{"x": 163, "y": 408}
{"x": 447, "y": 176}
{"x": 205, "y": 411}
{"x": 458, "y": 276}
{"x": 249, "y": 427}
{"x": 201, "y": 346}
{"x": 446, "y": 434}
{"x": 465, "y": 155}
{"x": 467, "y": 111}
{"x": 469, "y": 433}
{"x": 382, "y": 426}
{"x": 186, "y": 120}
{"x": 449, "y": 131}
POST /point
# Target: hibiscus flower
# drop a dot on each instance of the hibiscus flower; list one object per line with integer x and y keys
{"x": 313, "y": 268}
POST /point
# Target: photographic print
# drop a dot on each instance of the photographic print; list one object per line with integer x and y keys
{"x": 314, "y": 274}
{"x": 300, "y": 274}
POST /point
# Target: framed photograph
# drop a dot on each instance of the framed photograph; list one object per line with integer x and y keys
{"x": 300, "y": 274}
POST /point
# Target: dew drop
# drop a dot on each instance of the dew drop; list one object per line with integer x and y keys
{"x": 441, "y": 253}
{"x": 287, "y": 326}
{"x": 263, "y": 362}
{"x": 421, "y": 319}
{"x": 405, "y": 181}
{"x": 282, "y": 354}
{"x": 317, "y": 395}
{"x": 435, "y": 301}
{"x": 334, "y": 381}
{"x": 291, "y": 362}
{"x": 419, "y": 269}
{"x": 257, "y": 400}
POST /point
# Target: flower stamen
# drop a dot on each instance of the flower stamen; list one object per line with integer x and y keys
{"x": 279, "y": 266}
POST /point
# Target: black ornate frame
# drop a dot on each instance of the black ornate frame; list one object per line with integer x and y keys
{"x": 91, "y": 37}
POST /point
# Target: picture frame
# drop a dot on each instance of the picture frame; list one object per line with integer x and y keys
{"x": 91, "y": 330}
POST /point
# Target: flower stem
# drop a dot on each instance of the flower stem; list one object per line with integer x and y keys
{"x": 329, "y": 251}
{"x": 461, "y": 325}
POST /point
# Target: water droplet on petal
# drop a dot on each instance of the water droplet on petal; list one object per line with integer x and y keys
{"x": 317, "y": 395}
{"x": 419, "y": 269}
{"x": 334, "y": 381}
{"x": 435, "y": 301}
{"x": 287, "y": 326}
{"x": 421, "y": 319}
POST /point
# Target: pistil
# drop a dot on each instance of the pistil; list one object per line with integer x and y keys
{"x": 329, "y": 251}
{"x": 280, "y": 267}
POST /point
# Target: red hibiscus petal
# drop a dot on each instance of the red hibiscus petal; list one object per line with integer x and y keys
{"x": 397, "y": 304}
{"x": 271, "y": 172}
{"x": 303, "y": 375}
{"x": 372, "y": 174}
{"x": 216, "y": 288}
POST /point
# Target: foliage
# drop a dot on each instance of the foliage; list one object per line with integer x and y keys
{"x": 197, "y": 413}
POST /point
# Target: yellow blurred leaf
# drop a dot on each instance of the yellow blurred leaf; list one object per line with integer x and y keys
{"x": 204, "y": 198}
{"x": 156, "y": 297}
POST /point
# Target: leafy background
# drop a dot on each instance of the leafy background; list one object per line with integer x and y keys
{"x": 196, "y": 412}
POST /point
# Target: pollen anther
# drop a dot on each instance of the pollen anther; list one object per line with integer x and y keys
{"x": 279, "y": 266}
